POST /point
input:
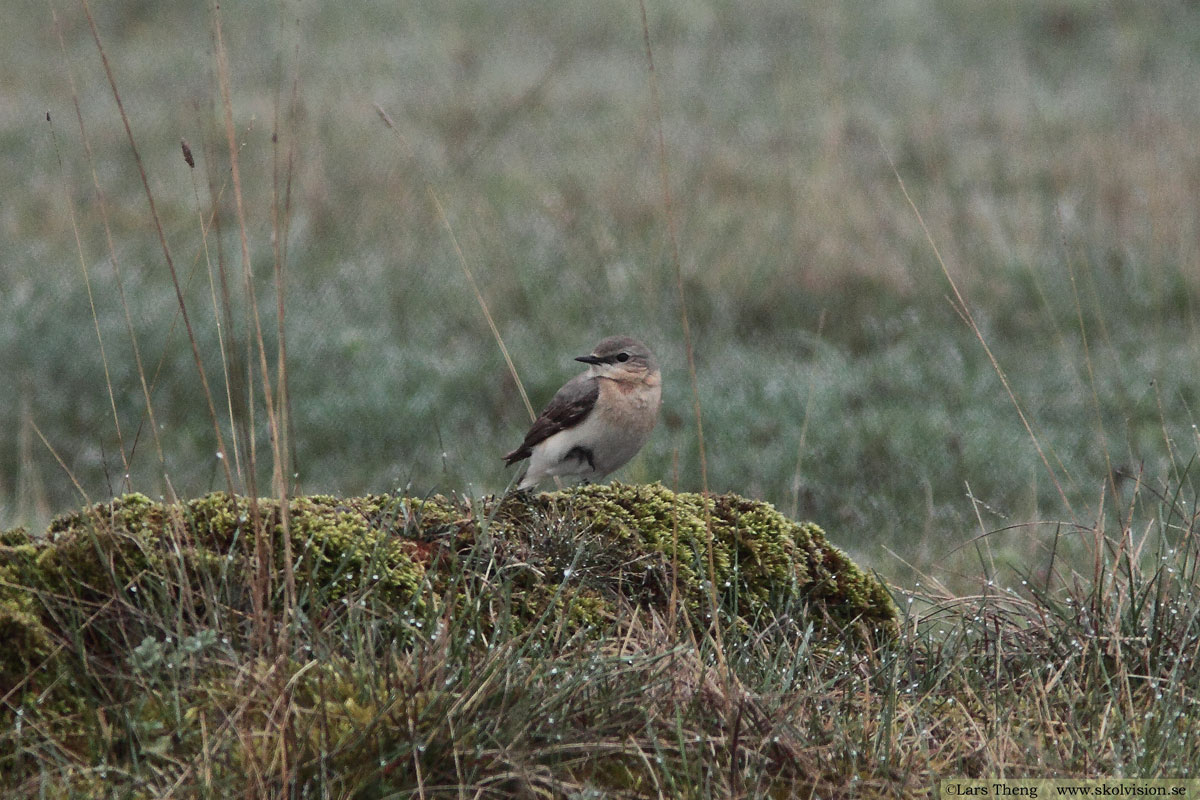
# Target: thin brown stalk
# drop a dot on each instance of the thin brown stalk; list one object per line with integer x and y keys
{"x": 416, "y": 758}
{"x": 255, "y": 321}
{"x": 102, "y": 205}
{"x": 462, "y": 261}
{"x": 232, "y": 366}
{"x": 66, "y": 470}
{"x": 669, "y": 208}
{"x": 804, "y": 432}
{"x": 162, "y": 239}
{"x": 87, "y": 282}
{"x": 1087, "y": 360}
{"x": 964, "y": 311}
{"x": 165, "y": 351}
{"x": 263, "y": 544}
{"x": 206, "y": 226}
{"x": 482, "y": 303}
{"x": 673, "y": 601}
{"x": 283, "y": 228}
{"x": 279, "y": 223}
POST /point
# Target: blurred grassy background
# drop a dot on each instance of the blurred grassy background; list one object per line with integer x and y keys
{"x": 1052, "y": 147}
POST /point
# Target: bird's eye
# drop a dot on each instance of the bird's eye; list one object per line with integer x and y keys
{"x": 623, "y": 357}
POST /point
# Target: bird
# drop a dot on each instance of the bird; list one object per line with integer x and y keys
{"x": 598, "y": 420}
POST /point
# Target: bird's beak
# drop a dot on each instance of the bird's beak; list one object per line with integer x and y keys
{"x": 589, "y": 359}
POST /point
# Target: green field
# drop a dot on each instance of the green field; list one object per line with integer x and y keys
{"x": 940, "y": 261}
{"x": 1051, "y": 149}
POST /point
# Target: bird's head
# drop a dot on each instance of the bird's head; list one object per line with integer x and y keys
{"x": 621, "y": 358}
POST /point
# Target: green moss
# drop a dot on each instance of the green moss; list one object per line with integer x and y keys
{"x": 760, "y": 557}
{"x": 26, "y": 642}
{"x": 146, "y": 609}
{"x": 14, "y": 537}
{"x": 580, "y": 549}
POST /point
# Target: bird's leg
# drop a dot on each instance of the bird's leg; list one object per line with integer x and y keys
{"x": 581, "y": 453}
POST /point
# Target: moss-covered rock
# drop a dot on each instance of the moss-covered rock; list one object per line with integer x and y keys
{"x": 583, "y": 551}
{"x": 163, "y": 616}
{"x": 760, "y": 558}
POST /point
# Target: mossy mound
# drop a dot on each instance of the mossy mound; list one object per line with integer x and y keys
{"x": 190, "y": 644}
{"x": 760, "y": 558}
{"x": 584, "y": 553}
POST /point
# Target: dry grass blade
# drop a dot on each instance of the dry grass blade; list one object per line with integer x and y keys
{"x": 222, "y": 311}
{"x": 63, "y": 464}
{"x": 685, "y": 324}
{"x": 964, "y": 311}
{"x": 162, "y": 239}
{"x": 102, "y": 205}
{"x": 487, "y": 314}
{"x": 462, "y": 262}
{"x": 273, "y": 403}
{"x": 87, "y": 282}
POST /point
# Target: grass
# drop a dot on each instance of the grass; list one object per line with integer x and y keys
{"x": 1050, "y": 148}
{"x": 536, "y": 659}
{"x": 1022, "y": 135}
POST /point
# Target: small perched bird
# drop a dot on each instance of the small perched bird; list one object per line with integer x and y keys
{"x": 598, "y": 420}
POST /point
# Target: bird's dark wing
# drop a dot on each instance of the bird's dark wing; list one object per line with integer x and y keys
{"x": 566, "y": 409}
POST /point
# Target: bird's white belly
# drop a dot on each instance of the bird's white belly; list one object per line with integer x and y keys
{"x": 609, "y": 447}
